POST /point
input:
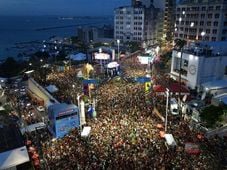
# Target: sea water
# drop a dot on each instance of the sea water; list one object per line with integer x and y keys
{"x": 18, "y": 29}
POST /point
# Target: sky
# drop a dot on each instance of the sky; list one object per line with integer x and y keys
{"x": 60, "y": 7}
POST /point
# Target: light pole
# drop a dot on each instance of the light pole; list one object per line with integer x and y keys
{"x": 81, "y": 110}
{"x": 167, "y": 103}
{"x": 118, "y": 49}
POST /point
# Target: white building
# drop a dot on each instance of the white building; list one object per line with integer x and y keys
{"x": 201, "y": 63}
{"x": 196, "y": 16}
{"x": 129, "y": 23}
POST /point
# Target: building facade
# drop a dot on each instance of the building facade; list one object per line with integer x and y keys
{"x": 201, "y": 63}
{"x": 198, "y": 20}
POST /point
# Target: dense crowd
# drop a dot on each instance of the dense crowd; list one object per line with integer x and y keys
{"x": 125, "y": 136}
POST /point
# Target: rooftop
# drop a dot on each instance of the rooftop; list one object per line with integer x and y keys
{"x": 10, "y": 136}
{"x": 195, "y": 2}
{"x": 207, "y": 49}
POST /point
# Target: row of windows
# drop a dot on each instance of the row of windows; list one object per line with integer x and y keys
{"x": 193, "y": 37}
{"x": 134, "y": 38}
{"x": 210, "y": 16}
{"x": 203, "y": 8}
{"x": 201, "y": 23}
{"x": 194, "y": 30}
{"x": 129, "y": 12}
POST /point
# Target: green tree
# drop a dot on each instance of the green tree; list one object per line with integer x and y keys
{"x": 11, "y": 67}
{"x": 211, "y": 115}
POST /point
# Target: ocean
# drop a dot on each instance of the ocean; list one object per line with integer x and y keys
{"x": 18, "y": 29}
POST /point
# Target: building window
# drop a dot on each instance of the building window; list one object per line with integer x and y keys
{"x": 201, "y": 23}
{"x": 202, "y": 15}
{"x": 217, "y": 15}
{"x": 213, "y": 39}
{"x": 225, "y": 70}
{"x": 210, "y": 8}
{"x": 209, "y": 23}
{"x": 224, "y": 31}
{"x": 203, "y": 8}
{"x": 218, "y": 7}
{"x": 185, "y": 64}
{"x": 210, "y": 15}
{"x": 225, "y": 23}
{"x": 215, "y": 23}
{"x": 208, "y": 31}
{"x": 223, "y": 38}
{"x": 214, "y": 31}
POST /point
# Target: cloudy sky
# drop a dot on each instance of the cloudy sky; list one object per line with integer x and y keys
{"x": 60, "y": 7}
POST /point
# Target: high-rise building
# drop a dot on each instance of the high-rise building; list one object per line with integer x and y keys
{"x": 198, "y": 20}
{"x": 169, "y": 18}
{"x": 137, "y": 22}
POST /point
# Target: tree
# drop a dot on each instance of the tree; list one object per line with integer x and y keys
{"x": 11, "y": 67}
{"x": 211, "y": 115}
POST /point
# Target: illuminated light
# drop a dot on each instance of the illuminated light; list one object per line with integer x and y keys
{"x": 180, "y": 19}
{"x": 175, "y": 29}
{"x": 203, "y": 33}
{"x": 179, "y": 54}
{"x": 183, "y": 12}
{"x": 191, "y": 57}
{"x": 196, "y": 58}
{"x": 192, "y": 24}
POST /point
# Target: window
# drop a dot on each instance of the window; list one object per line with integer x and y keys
{"x": 213, "y": 39}
{"x": 224, "y": 31}
{"x": 225, "y": 70}
{"x": 209, "y": 23}
{"x": 214, "y": 31}
{"x": 215, "y": 23}
{"x": 217, "y": 15}
{"x": 203, "y": 8}
{"x": 208, "y": 31}
{"x": 185, "y": 63}
{"x": 225, "y": 23}
{"x": 223, "y": 38}
{"x": 210, "y": 15}
{"x": 218, "y": 7}
{"x": 201, "y": 23}
{"x": 202, "y": 15}
{"x": 210, "y": 8}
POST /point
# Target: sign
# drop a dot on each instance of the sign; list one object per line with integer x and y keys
{"x": 102, "y": 56}
{"x": 142, "y": 79}
{"x": 90, "y": 81}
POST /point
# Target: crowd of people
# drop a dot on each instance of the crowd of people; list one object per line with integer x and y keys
{"x": 125, "y": 134}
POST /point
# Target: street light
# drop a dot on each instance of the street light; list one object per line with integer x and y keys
{"x": 203, "y": 33}
{"x": 41, "y": 60}
{"x": 118, "y": 43}
{"x": 167, "y": 103}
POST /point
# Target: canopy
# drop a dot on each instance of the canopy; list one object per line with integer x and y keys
{"x": 13, "y": 157}
{"x": 86, "y": 131}
{"x": 52, "y": 88}
{"x": 113, "y": 64}
{"x": 170, "y": 140}
{"x": 174, "y": 88}
{"x": 78, "y": 57}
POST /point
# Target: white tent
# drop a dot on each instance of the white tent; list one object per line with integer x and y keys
{"x": 78, "y": 57}
{"x": 52, "y": 88}
{"x": 12, "y": 158}
{"x": 86, "y": 131}
{"x": 80, "y": 74}
{"x": 170, "y": 140}
{"x": 113, "y": 64}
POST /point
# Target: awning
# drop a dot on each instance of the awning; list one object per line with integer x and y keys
{"x": 86, "y": 131}
{"x": 52, "y": 88}
{"x": 13, "y": 157}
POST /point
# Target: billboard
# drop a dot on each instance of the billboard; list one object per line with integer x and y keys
{"x": 101, "y": 56}
{"x": 145, "y": 59}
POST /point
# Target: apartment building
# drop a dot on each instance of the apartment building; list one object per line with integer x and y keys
{"x": 201, "y": 62}
{"x": 204, "y": 20}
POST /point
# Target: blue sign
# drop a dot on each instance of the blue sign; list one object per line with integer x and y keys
{"x": 90, "y": 81}
{"x": 142, "y": 79}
